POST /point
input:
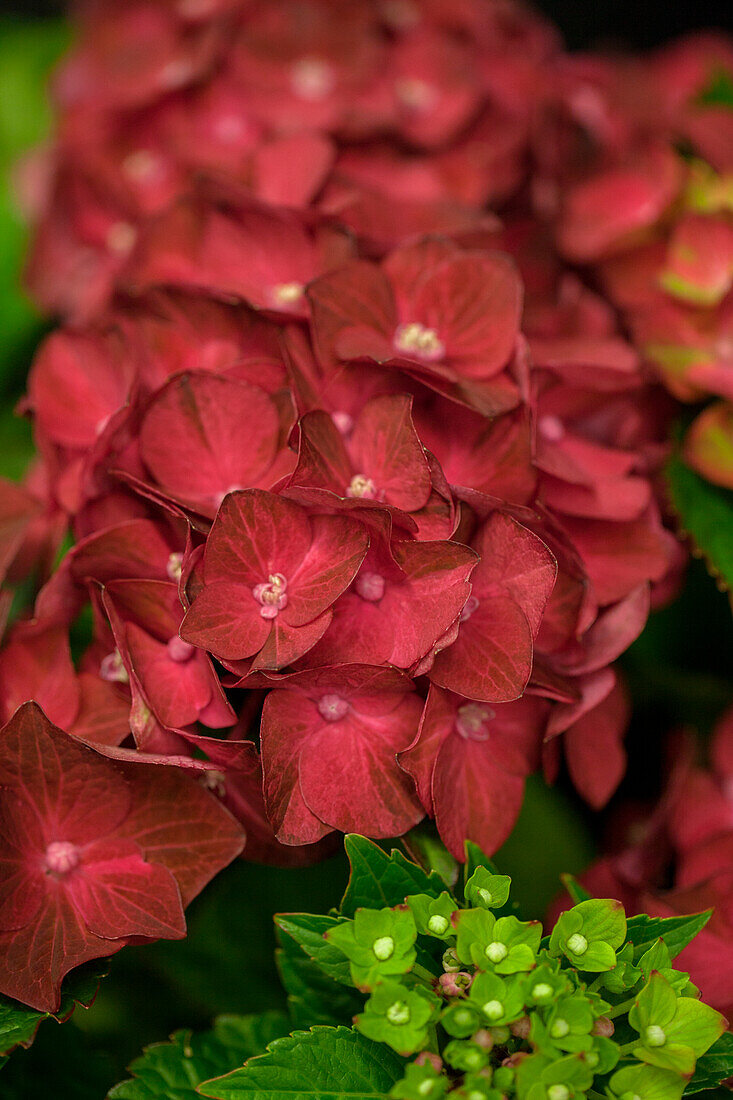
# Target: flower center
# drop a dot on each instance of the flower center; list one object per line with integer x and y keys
{"x": 495, "y": 952}
{"x": 399, "y": 1013}
{"x": 362, "y": 487}
{"x": 541, "y": 991}
{"x": 655, "y": 1036}
{"x": 559, "y": 1029}
{"x": 472, "y": 721}
{"x": 343, "y": 421}
{"x": 332, "y": 707}
{"x": 578, "y": 944}
{"x": 469, "y": 607}
{"x": 485, "y": 895}
{"x": 551, "y": 428}
{"x": 416, "y": 94}
{"x": 141, "y": 166}
{"x": 416, "y": 339}
{"x": 61, "y": 857}
{"x": 174, "y": 566}
{"x": 438, "y": 924}
{"x": 272, "y": 595}
{"x": 113, "y": 670}
{"x": 180, "y": 651}
{"x": 286, "y": 294}
{"x": 493, "y": 1009}
{"x": 121, "y": 237}
{"x": 558, "y": 1092}
{"x": 370, "y": 586}
{"x": 215, "y": 781}
{"x": 383, "y": 948}
{"x": 312, "y": 79}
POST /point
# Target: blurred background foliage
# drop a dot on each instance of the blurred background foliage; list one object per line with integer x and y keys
{"x": 679, "y": 671}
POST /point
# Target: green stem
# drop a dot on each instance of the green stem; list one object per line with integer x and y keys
{"x": 423, "y": 974}
{"x": 628, "y": 1048}
{"x": 618, "y": 1010}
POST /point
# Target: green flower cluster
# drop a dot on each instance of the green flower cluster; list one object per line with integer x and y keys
{"x": 493, "y": 1010}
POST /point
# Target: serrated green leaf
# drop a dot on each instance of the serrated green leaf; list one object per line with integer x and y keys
{"x": 379, "y": 880}
{"x": 322, "y": 1064}
{"x": 313, "y": 997}
{"x": 714, "y": 1066}
{"x": 307, "y": 930}
{"x": 676, "y": 932}
{"x": 173, "y": 1070}
{"x": 19, "y": 1024}
{"x": 424, "y": 845}
{"x": 705, "y": 512}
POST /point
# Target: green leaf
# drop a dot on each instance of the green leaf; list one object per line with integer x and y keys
{"x": 378, "y": 879}
{"x": 307, "y": 930}
{"x": 718, "y": 91}
{"x": 714, "y": 1066}
{"x": 676, "y": 932}
{"x": 313, "y": 997}
{"x": 476, "y": 858}
{"x": 321, "y": 1064}
{"x": 427, "y": 849}
{"x": 705, "y": 512}
{"x": 172, "y": 1071}
{"x": 577, "y": 892}
{"x": 19, "y": 1024}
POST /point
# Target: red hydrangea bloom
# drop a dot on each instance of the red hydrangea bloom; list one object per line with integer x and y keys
{"x": 448, "y": 316}
{"x": 470, "y": 761}
{"x": 319, "y": 417}
{"x": 328, "y": 732}
{"x": 93, "y": 853}
{"x": 271, "y": 575}
{"x": 491, "y": 659}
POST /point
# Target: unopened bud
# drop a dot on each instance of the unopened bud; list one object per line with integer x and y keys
{"x": 427, "y": 1058}
{"x": 451, "y": 962}
{"x": 604, "y": 1027}
{"x": 578, "y": 945}
{"x": 520, "y": 1028}
{"x": 455, "y": 984}
{"x": 483, "y": 1038}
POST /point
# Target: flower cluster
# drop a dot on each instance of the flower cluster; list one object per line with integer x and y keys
{"x": 638, "y": 183}
{"x": 492, "y": 1009}
{"x": 678, "y": 858}
{"x": 359, "y": 477}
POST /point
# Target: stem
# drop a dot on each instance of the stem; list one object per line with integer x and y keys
{"x": 423, "y": 974}
{"x": 618, "y": 1010}
{"x": 628, "y": 1048}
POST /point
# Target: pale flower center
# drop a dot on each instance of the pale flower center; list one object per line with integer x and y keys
{"x": 578, "y": 944}
{"x": 61, "y": 857}
{"x": 113, "y": 670}
{"x": 383, "y": 948}
{"x": 551, "y": 428}
{"x": 121, "y": 238}
{"x": 558, "y": 1092}
{"x": 141, "y": 166}
{"x": 312, "y": 79}
{"x": 472, "y": 721}
{"x": 174, "y": 566}
{"x": 370, "y": 586}
{"x": 343, "y": 421}
{"x": 655, "y": 1036}
{"x": 399, "y": 1013}
{"x": 362, "y": 487}
{"x": 494, "y": 1009}
{"x": 469, "y": 607}
{"x": 495, "y": 952}
{"x": 332, "y": 707}
{"x": 416, "y": 94}
{"x": 272, "y": 595}
{"x": 286, "y": 294}
{"x": 180, "y": 651}
{"x": 417, "y": 340}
